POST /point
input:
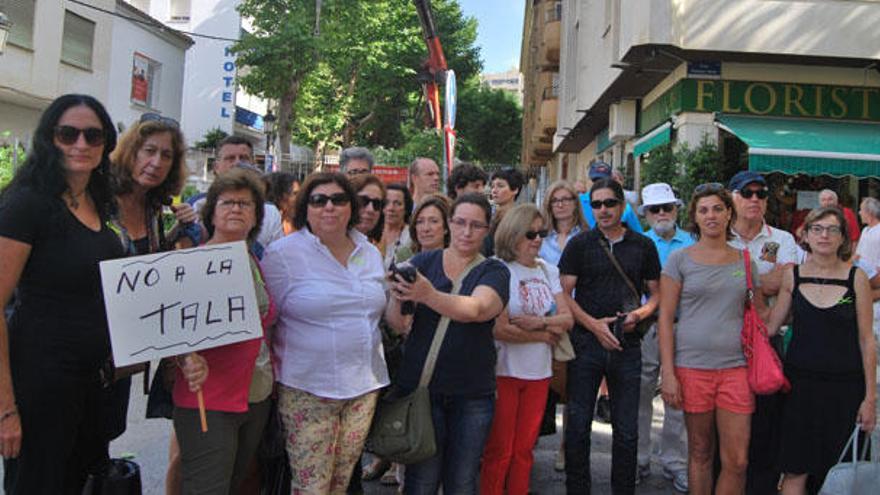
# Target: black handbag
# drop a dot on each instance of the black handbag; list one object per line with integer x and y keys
{"x": 403, "y": 428}
{"x": 117, "y": 477}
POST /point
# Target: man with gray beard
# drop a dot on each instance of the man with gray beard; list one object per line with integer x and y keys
{"x": 660, "y": 208}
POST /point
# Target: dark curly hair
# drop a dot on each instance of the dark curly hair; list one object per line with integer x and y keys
{"x": 514, "y": 178}
{"x": 725, "y": 198}
{"x": 124, "y": 157}
{"x": 463, "y": 174}
{"x": 301, "y": 207}
{"x": 43, "y": 169}
{"x": 236, "y": 179}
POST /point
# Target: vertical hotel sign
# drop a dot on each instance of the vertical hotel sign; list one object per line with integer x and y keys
{"x": 228, "y": 75}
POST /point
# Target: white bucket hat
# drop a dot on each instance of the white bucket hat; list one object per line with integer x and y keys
{"x": 657, "y": 194}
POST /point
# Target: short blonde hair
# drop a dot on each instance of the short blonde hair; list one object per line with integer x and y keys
{"x": 579, "y": 219}
{"x": 513, "y": 227}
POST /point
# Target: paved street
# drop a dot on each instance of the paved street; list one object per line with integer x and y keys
{"x": 147, "y": 440}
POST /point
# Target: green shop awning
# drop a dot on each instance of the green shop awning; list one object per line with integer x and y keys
{"x": 813, "y": 147}
{"x": 658, "y": 136}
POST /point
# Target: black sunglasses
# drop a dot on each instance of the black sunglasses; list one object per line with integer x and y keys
{"x": 68, "y": 135}
{"x": 655, "y": 209}
{"x": 710, "y": 187}
{"x": 760, "y": 193}
{"x": 607, "y": 203}
{"x": 532, "y": 234}
{"x": 155, "y": 117}
{"x": 364, "y": 200}
{"x": 320, "y": 200}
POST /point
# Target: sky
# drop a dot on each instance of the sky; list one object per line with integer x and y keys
{"x": 499, "y": 31}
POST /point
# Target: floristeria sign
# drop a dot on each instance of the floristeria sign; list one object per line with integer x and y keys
{"x": 764, "y": 98}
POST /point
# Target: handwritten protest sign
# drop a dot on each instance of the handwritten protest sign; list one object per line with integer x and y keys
{"x": 172, "y": 303}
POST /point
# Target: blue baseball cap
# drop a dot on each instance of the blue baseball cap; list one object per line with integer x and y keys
{"x": 744, "y": 178}
{"x": 599, "y": 170}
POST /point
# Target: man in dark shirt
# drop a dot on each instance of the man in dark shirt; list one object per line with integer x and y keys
{"x": 601, "y": 295}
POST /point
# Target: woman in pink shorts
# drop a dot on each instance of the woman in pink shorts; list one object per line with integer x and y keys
{"x": 701, "y": 358}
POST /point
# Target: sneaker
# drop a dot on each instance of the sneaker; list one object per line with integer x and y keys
{"x": 559, "y": 465}
{"x": 679, "y": 479}
{"x": 644, "y": 470}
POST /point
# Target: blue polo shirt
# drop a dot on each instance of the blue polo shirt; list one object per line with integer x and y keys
{"x": 681, "y": 239}
{"x": 629, "y": 218}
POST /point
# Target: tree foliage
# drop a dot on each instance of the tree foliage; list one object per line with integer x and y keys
{"x": 211, "y": 139}
{"x": 489, "y": 124}
{"x": 684, "y": 168}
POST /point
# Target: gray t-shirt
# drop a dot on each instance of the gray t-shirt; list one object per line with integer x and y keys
{"x": 710, "y": 311}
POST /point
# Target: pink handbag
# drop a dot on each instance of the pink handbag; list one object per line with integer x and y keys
{"x": 764, "y": 367}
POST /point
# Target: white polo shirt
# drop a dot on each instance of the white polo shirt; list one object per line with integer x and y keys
{"x": 762, "y": 248}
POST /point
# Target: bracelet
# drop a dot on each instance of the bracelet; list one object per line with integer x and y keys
{"x": 9, "y": 414}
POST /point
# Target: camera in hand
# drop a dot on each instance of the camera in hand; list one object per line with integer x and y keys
{"x": 408, "y": 272}
{"x": 617, "y": 328}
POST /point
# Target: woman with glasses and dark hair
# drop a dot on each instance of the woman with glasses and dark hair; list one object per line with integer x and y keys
{"x": 702, "y": 361}
{"x": 831, "y": 359}
{"x": 370, "y": 194}
{"x": 53, "y": 233}
{"x": 462, "y": 389}
{"x": 328, "y": 281}
{"x": 525, "y": 332}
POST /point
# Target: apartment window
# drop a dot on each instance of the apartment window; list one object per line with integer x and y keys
{"x": 78, "y": 40}
{"x": 21, "y": 14}
{"x": 145, "y": 80}
{"x": 179, "y": 10}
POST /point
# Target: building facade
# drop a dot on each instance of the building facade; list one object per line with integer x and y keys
{"x": 510, "y": 81}
{"x": 122, "y": 57}
{"x": 776, "y": 84}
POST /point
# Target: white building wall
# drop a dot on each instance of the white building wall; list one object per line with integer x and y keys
{"x": 168, "y": 50}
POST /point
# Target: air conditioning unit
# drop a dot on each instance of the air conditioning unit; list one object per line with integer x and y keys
{"x": 622, "y": 120}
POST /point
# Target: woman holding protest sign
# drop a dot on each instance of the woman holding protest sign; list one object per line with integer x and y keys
{"x": 235, "y": 384}
{"x": 53, "y": 234}
{"x": 328, "y": 280}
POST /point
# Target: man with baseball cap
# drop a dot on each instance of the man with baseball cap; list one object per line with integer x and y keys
{"x": 660, "y": 208}
{"x": 601, "y": 170}
{"x": 772, "y": 250}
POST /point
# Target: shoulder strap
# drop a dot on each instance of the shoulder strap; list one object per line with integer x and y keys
{"x": 747, "y": 260}
{"x": 619, "y": 268}
{"x": 440, "y": 333}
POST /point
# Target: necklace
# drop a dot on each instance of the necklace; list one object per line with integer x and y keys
{"x": 74, "y": 202}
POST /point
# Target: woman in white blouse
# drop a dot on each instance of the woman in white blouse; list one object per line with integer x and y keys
{"x": 327, "y": 280}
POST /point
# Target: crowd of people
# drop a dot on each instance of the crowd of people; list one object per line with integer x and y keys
{"x": 513, "y": 281}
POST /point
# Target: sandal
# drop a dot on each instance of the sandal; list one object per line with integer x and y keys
{"x": 376, "y": 469}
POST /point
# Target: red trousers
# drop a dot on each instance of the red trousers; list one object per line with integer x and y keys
{"x": 507, "y": 459}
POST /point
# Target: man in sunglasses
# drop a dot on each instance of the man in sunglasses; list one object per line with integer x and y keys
{"x": 601, "y": 170}
{"x": 356, "y": 161}
{"x": 608, "y": 304}
{"x": 772, "y": 250}
{"x": 660, "y": 208}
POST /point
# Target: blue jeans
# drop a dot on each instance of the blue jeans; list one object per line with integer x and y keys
{"x": 622, "y": 370}
{"x": 461, "y": 427}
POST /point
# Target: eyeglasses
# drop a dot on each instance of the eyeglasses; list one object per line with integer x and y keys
{"x": 607, "y": 203}
{"x": 832, "y": 230}
{"x": 364, "y": 200}
{"x": 532, "y": 234}
{"x": 353, "y": 172}
{"x": 748, "y": 193}
{"x": 709, "y": 187}
{"x": 69, "y": 135}
{"x": 561, "y": 201}
{"x": 655, "y": 209}
{"x": 155, "y": 117}
{"x": 320, "y": 200}
{"x": 228, "y": 204}
{"x": 462, "y": 224}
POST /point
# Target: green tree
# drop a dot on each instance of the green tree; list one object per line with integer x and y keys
{"x": 490, "y": 123}
{"x": 9, "y": 159}
{"x": 211, "y": 139}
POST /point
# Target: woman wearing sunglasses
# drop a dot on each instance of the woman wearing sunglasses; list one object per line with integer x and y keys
{"x": 53, "y": 234}
{"x": 370, "y": 194}
{"x": 701, "y": 358}
{"x": 462, "y": 389}
{"x": 525, "y": 333}
{"x": 328, "y": 281}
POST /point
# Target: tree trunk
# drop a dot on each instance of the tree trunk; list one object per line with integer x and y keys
{"x": 286, "y": 114}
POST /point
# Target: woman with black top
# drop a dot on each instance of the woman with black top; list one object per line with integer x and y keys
{"x": 53, "y": 234}
{"x": 462, "y": 389}
{"x": 831, "y": 359}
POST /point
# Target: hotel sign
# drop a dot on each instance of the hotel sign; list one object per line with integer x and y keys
{"x": 764, "y": 98}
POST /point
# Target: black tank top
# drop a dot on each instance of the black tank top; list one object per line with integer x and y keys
{"x": 825, "y": 341}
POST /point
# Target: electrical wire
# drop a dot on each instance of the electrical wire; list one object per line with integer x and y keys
{"x": 153, "y": 23}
